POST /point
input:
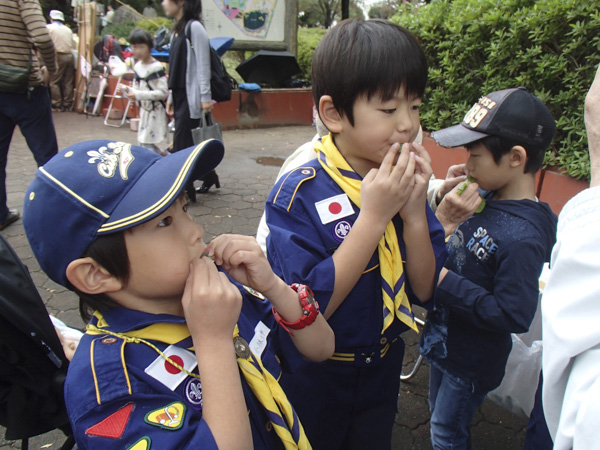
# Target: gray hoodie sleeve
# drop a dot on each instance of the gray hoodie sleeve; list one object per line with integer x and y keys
{"x": 197, "y": 77}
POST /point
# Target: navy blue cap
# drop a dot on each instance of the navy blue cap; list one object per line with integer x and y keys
{"x": 514, "y": 114}
{"x": 100, "y": 187}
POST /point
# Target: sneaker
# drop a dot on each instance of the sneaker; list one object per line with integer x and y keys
{"x": 13, "y": 216}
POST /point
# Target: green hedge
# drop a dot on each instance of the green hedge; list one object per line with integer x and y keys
{"x": 552, "y": 47}
{"x": 308, "y": 39}
{"x": 122, "y": 30}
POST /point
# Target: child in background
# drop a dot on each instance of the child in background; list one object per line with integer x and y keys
{"x": 488, "y": 289}
{"x": 355, "y": 225}
{"x": 150, "y": 90}
{"x": 181, "y": 351}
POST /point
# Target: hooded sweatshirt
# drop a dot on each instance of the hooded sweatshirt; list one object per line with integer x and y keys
{"x": 491, "y": 289}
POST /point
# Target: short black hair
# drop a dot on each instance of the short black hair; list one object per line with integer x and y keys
{"x": 373, "y": 57}
{"x": 110, "y": 251}
{"x": 500, "y": 146}
{"x": 139, "y": 36}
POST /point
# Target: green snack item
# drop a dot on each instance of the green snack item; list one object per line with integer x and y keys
{"x": 462, "y": 188}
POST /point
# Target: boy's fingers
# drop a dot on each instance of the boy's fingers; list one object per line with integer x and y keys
{"x": 422, "y": 152}
{"x": 403, "y": 159}
{"x": 388, "y": 159}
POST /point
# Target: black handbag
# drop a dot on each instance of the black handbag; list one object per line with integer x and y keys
{"x": 15, "y": 79}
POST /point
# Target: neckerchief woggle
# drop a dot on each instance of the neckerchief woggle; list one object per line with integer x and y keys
{"x": 395, "y": 301}
{"x": 264, "y": 386}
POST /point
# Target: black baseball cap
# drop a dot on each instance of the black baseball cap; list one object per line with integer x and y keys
{"x": 514, "y": 114}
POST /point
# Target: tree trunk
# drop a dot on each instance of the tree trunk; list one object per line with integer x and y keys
{"x": 345, "y": 9}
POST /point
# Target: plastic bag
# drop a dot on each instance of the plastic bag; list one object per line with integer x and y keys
{"x": 117, "y": 66}
{"x": 516, "y": 393}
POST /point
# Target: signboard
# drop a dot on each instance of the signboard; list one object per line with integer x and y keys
{"x": 254, "y": 24}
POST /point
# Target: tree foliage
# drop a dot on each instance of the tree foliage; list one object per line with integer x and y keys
{"x": 324, "y": 13}
{"x": 552, "y": 47}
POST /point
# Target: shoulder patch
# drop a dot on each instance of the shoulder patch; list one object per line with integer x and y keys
{"x": 113, "y": 426}
{"x": 290, "y": 185}
{"x": 169, "y": 417}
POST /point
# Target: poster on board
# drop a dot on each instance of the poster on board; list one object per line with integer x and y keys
{"x": 249, "y": 22}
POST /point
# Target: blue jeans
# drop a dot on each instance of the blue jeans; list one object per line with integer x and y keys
{"x": 452, "y": 403}
{"x": 33, "y": 115}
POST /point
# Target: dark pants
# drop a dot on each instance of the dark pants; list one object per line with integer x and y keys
{"x": 344, "y": 407}
{"x": 538, "y": 437}
{"x": 33, "y": 115}
{"x": 184, "y": 124}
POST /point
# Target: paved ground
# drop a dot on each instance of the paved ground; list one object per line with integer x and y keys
{"x": 247, "y": 173}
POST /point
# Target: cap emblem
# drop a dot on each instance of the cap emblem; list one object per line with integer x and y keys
{"x": 479, "y": 110}
{"x": 111, "y": 156}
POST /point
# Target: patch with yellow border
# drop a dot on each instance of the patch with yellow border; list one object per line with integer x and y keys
{"x": 141, "y": 444}
{"x": 169, "y": 417}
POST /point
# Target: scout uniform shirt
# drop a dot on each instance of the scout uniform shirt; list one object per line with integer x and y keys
{"x": 309, "y": 216}
{"x": 124, "y": 395}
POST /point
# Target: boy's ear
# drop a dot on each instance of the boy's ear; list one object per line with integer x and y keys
{"x": 517, "y": 156}
{"x": 330, "y": 116}
{"x": 86, "y": 275}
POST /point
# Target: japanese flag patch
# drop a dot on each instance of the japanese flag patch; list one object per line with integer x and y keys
{"x": 334, "y": 208}
{"x": 168, "y": 374}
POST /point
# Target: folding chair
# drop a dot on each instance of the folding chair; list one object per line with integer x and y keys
{"x": 33, "y": 365}
{"x": 117, "y": 95}
{"x": 419, "y": 360}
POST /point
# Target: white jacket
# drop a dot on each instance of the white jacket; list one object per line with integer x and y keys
{"x": 571, "y": 327}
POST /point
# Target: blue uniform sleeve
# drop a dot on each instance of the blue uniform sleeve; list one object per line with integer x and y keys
{"x": 513, "y": 302}
{"x": 158, "y": 420}
{"x": 297, "y": 253}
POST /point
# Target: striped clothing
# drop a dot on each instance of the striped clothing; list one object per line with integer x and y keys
{"x": 22, "y": 30}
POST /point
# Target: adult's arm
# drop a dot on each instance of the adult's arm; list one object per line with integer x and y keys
{"x": 32, "y": 16}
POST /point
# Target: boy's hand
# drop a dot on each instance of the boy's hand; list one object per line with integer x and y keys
{"x": 211, "y": 304}
{"x": 415, "y": 205}
{"x": 455, "y": 208}
{"x": 242, "y": 258}
{"x": 384, "y": 191}
{"x": 456, "y": 174}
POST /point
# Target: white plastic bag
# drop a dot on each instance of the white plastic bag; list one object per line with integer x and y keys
{"x": 517, "y": 390}
{"x": 117, "y": 67}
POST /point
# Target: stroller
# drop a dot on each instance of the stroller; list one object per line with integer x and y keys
{"x": 33, "y": 365}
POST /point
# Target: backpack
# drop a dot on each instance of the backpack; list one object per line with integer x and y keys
{"x": 33, "y": 365}
{"x": 221, "y": 83}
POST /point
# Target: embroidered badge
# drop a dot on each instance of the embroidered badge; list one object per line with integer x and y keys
{"x": 193, "y": 393}
{"x": 109, "y": 158}
{"x": 254, "y": 292}
{"x": 114, "y": 425}
{"x": 168, "y": 374}
{"x": 334, "y": 208}
{"x": 341, "y": 229}
{"x": 141, "y": 444}
{"x": 170, "y": 417}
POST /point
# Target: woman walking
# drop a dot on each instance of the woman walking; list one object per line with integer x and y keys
{"x": 189, "y": 78}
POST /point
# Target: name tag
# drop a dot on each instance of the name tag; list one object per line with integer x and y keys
{"x": 259, "y": 341}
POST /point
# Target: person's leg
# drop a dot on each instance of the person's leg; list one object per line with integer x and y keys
{"x": 538, "y": 437}
{"x": 68, "y": 76}
{"x": 35, "y": 121}
{"x": 184, "y": 124}
{"x": 376, "y": 403}
{"x": 7, "y": 127}
{"x": 323, "y": 396}
{"x": 55, "y": 84}
{"x": 454, "y": 406}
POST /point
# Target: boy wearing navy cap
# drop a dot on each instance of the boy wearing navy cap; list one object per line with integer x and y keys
{"x": 180, "y": 352}
{"x": 488, "y": 288}
{"x": 355, "y": 225}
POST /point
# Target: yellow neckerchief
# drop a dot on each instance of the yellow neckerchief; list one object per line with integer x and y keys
{"x": 395, "y": 301}
{"x": 264, "y": 386}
